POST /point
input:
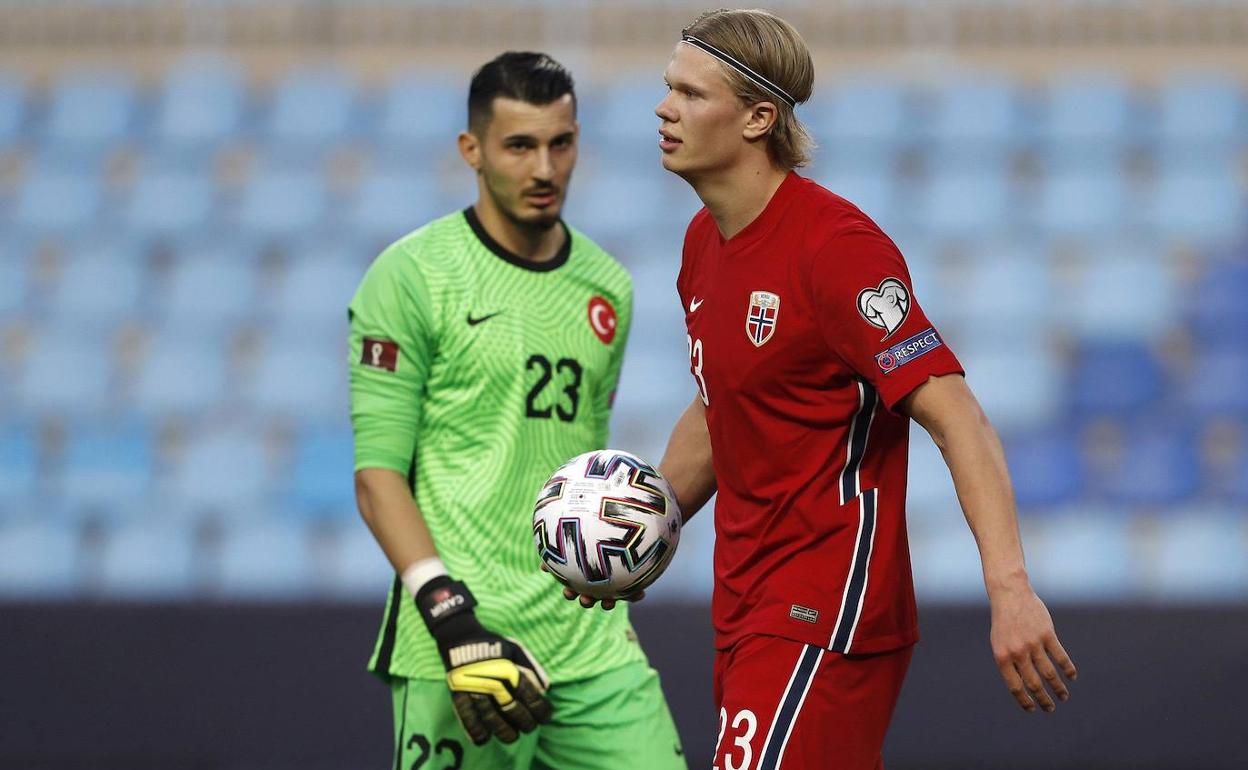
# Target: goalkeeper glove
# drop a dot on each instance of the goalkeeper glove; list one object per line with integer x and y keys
{"x": 496, "y": 685}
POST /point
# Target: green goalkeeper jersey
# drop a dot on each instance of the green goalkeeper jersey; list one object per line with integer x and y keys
{"x": 476, "y": 374}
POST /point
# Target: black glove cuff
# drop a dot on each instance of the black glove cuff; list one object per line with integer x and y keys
{"x": 442, "y": 600}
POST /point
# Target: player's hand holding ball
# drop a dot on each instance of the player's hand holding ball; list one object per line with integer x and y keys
{"x": 606, "y": 525}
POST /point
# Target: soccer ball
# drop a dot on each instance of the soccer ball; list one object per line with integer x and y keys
{"x": 606, "y": 524}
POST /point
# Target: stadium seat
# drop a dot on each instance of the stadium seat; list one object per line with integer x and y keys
{"x": 38, "y": 559}
{"x": 282, "y": 203}
{"x": 201, "y": 104}
{"x": 862, "y": 111}
{"x": 318, "y": 286}
{"x": 224, "y": 473}
{"x": 164, "y": 202}
{"x": 300, "y": 378}
{"x": 208, "y": 290}
{"x": 1115, "y": 378}
{"x": 320, "y": 480}
{"x": 619, "y": 201}
{"x": 929, "y": 487}
{"x": 1083, "y": 554}
{"x": 974, "y": 123}
{"x": 1002, "y": 289}
{"x": 183, "y": 374}
{"x": 945, "y": 563}
{"x": 1216, "y": 304}
{"x": 19, "y": 467}
{"x": 1017, "y": 379}
{"x": 12, "y": 109}
{"x": 966, "y": 204}
{"x": 15, "y": 281}
{"x": 311, "y": 106}
{"x": 1217, "y": 385}
{"x": 626, "y": 122}
{"x": 1088, "y": 109}
{"x": 1081, "y": 203}
{"x": 1124, "y": 295}
{"x": 1201, "y": 112}
{"x": 389, "y": 205}
{"x": 148, "y": 559}
{"x": 357, "y": 566}
{"x": 1159, "y": 467}
{"x": 63, "y": 202}
{"x": 260, "y": 560}
{"x": 1045, "y": 468}
{"x": 107, "y": 465}
{"x": 67, "y": 374}
{"x": 1201, "y": 556}
{"x": 1208, "y": 209}
{"x": 421, "y": 109}
{"x": 101, "y": 283}
{"x": 91, "y": 108}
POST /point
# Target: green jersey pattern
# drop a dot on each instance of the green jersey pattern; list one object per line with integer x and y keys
{"x": 482, "y": 374}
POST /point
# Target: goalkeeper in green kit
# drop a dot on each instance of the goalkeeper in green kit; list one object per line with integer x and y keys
{"x": 485, "y": 352}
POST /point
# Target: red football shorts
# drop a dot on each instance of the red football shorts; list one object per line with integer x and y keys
{"x": 785, "y": 704}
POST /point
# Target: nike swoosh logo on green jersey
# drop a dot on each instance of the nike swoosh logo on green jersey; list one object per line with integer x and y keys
{"x": 474, "y": 321}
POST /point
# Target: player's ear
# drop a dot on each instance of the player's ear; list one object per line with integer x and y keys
{"x": 470, "y": 149}
{"x": 761, "y": 120}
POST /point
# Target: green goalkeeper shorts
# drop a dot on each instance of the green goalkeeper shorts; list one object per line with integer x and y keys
{"x": 616, "y": 719}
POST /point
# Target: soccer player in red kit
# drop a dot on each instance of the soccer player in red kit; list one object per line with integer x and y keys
{"x": 811, "y": 355}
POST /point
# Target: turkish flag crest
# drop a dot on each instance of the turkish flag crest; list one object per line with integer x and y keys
{"x": 760, "y": 320}
{"x": 602, "y": 319}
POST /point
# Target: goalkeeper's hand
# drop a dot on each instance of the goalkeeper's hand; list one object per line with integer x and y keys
{"x": 496, "y": 685}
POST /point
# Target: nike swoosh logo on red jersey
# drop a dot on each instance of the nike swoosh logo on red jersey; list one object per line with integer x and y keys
{"x": 694, "y": 304}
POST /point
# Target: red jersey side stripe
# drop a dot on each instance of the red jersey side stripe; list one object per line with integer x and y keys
{"x": 856, "y": 583}
{"x": 856, "y": 445}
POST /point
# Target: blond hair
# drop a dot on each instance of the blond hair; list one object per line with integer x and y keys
{"x": 770, "y": 46}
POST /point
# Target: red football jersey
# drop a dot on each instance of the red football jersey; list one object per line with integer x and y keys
{"x": 803, "y": 335}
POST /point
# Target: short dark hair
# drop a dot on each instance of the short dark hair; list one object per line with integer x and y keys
{"x": 533, "y": 78}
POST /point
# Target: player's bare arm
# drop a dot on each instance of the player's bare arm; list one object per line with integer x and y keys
{"x": 1024, "y": 643}
{"x": 387, "y": 507}
{"x": 686, "y": 462}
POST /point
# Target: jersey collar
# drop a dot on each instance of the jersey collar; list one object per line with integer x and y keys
{"x": 511, "y": 257}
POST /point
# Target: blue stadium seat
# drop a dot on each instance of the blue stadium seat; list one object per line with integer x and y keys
{"x": 148, "y": 559}
{"x": 19, "y": 467}
{"x": 1090, "y": 109}
{"x": 1002, "y": 290}
{"x": 975, "y": 124}
{"x": 63, "y": 202}
{"x": 929, "y": 487}
{"x": 67, "y": 373}
{"x": 164, "y": 202}
{"x": 1216, "y": 302}
{"x": 1130, "y": 294}
{"x": 300, "y": 378}
{"x": 225, "y": 472}
{"x": 965, "y": 204}
{"x": 389, "y": 205}
{"x": 618, "y": 202}
{"x": 311, "y": 106}
{"x": 106, "y": 466}
{"x": 101, "y": 282}
{"x": 1045, "y": 468}
{"x": 12, "y": 109}
{"x": 626, "y": 119}
{"x": 1218, "y": 384}
{"x": 1159, "y": 467}
{"x": 1115, "y": 378}
{"x": 282, "y": 203}
{"x": 183, "y": 374}
{"x": 91, "y": 108}
{"x": 945, "y": 562}
{"x": 320, "y": 480}
{"x": 862, "y": 111}
{"x": 1208, "y": 209}
{"x": 1015, "y": 376}
{"x": 15, "y": 280}
{"x": 265, "y": 560}
{"x": 38, "y": 559}
{"x": 1082, "y": 554}
{"x": 201, "y": 103}
{"x": 209, "y": 290}
{"x": 318, "y": 287}
{"x": 1201, "y": 111}
{"x": 1201, "y": 556}
{"x": 1082, "y": 203}
{"x": 358, "y": 567}
{"x": 421, "y": 108}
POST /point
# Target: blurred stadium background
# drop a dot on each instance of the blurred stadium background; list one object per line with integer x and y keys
{"x": 190, "y": 191}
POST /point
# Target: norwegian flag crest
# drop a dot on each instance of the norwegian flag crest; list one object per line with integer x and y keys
{"x": 760, "y": 320}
